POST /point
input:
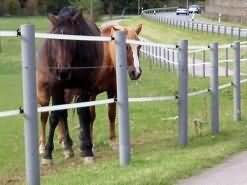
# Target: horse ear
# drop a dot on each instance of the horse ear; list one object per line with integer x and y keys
{"x": 77, "y": 16}
{"x": 53, "y": 19}
{"x": 115, "y": 28}
{"x": 139, "y": 29}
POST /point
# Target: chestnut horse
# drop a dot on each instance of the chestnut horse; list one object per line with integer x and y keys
{"x": 106, "y": 82}
{"x": 57, "y": 70}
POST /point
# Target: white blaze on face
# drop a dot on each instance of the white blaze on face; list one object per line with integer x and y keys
{"x": 136, "y": 59}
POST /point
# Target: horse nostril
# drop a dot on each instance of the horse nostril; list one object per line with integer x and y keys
{"x": 132, "y": 73}
{"x": 64, "y": 75}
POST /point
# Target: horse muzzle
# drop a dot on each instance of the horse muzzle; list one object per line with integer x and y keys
{"x": 134, "y": 74}
{"x": 63, "y": 74}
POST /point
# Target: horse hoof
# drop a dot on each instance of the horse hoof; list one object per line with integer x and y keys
{"x": 41, "y": 149}
{"x": 113, "y": 145}
{"x": 93, "y": 148}
{"x": 63, "y": 145}
{"x": 46, "y": 162}
{"x": 68, "y": 154}
{"x": 88, "y": 160}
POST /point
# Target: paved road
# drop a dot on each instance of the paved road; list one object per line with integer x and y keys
{"x": 231, "y": 172}
{"x": 177, "y": 17}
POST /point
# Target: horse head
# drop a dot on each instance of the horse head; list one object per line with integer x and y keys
{"x": 63, "y": 52}
{"x": 133, "y": 50}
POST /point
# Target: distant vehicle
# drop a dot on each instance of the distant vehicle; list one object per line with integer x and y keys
{"x": 195, "y": 9}
{"x": 183, "y": 11}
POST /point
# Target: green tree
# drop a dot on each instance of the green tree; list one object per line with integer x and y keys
{"x": 92, "y": 8}
{"x": 1, "y": 7}
{"x": 55, "y": 5}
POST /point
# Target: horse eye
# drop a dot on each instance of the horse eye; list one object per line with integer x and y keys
{"x": 128, "y": 47}
{"x": 139, "y": 47}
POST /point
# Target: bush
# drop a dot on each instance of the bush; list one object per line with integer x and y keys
{"x": 12, "y": 7}
{"x": 85, "y": 5}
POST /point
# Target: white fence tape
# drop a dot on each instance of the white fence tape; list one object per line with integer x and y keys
{"x": 244, "y": 42}
{"x": 197, "y": 93}
{"x": 8, "y": 33}
{"x": 148, "y": 43}
{"x": 243, "y": 81}
{"x": 75, "y": 105}
{"x": 72, "y": 37}
{"x": 148, "y": 99}
{"x": 9, "y": 113}
{"x": 224, "y": 86}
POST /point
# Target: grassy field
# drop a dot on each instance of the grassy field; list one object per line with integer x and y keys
{"x": 156, "y": 156}
{"x": 167, "y": 34}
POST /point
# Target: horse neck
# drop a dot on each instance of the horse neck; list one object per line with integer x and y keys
{"x": 109, "y": 54}
{"x": 109, "y": 48}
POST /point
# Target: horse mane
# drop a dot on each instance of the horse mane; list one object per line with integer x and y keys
{"x": 82, "y": 26}
{"x": 106, "y": 30}
{"x": 86, "y": 54}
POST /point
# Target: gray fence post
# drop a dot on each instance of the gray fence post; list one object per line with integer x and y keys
{"x": 236, "y": 83}
{"x": 227, "y": 64}
{"x": 214, "y": 89}
{"x": 168, "y": 60}
{"x": 30, "y": 105}
{"x": 160, "y": 56}
{"x": 173, "y": 60}
{"x": 204, "y": 59}
{"x": 194, "y": 62}
{"x": 122, "y": 98}
{"x": 183, "y": 90}
{"x": 239, "y": 33}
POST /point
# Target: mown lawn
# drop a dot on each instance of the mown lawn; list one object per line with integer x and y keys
{"x": 156, "y": 156}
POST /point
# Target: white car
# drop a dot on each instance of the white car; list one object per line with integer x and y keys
{"x": 183, "y": 11}
{"x": 194, "y": 9}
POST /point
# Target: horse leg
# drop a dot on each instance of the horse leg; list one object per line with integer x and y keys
{"x": 55, "y": 116}
{"x": 67, "y": 141}
{"x": 68, "y": 98}
{"x": 42, "y": 137}
{"x": 53, "y": 120}
{"x": 112, "y": 118}
{"x": 43, "y": 97}
{"x": 85, "y": 132}
{"x": 93, "y": 116}
{"x": 61, "y": 132}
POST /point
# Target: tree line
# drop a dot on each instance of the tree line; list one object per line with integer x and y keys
{"x": 97, "y": 7}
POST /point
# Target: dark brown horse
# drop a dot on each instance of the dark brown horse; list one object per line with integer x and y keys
{"x": 57, "y": 70}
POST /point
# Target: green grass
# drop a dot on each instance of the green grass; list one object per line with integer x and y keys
{"x": 156, "y": 156}
{"x": 13, "y": 23}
